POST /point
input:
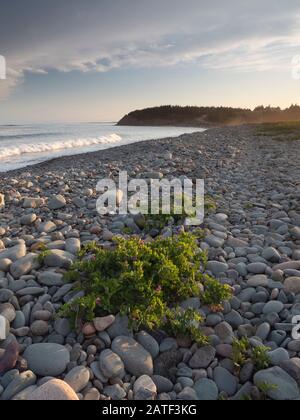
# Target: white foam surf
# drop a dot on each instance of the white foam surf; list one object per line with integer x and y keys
{"x": 28, "y": 145}
{"x": 35, "y": 148}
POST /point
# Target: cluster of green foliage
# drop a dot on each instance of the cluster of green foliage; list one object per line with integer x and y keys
{"x": 265, "y": 388}
{"x": 209, "y": 204}
{"x": 185, "y": 323}
{"x": 145, "y": 281}
{"x": 248, "y": 206}
{"x": 281, "y": 131}
{"x": 215, "y": 293}
{"x": 127, "y": 231}
{"x": 160, "y": 221}
{"x": 240, "y": 352}
{"x": 243, "y": 352}
{"x": 260, "y": 357}
{"x": 176, "y": 213}
{"x": 44, "y": 252}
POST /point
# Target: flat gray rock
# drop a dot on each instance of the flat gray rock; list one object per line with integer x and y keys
{"x": 14, "y": 253}
{"x": 111, "y": 365}
{"x": 136, "y": 359}
{"x": 24, "y": 265}
{"x": 50, "y": 278}
{"x": 203, "y": 357}
{"x": 282, "y": 385}
{"x": 217, "y": 267}
{"x": 47, "y": 359}
{"x": 78, "y": 378}
{"x": 144, "y": 389}
{"x": 59, "y": 258}
{"x": 149, "y": 343}
{"x": 115, "y": 392}
{"x": 292, "y": 284}
{"x": 20, "y": 382}
{"x": 273, "y": 306}
{"x": 225, "y": 381}
{"x": 206, "y": 390}
{"x": 57, "y": 202}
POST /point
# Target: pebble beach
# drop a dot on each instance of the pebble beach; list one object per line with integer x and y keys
{"x": 252, "y": 238}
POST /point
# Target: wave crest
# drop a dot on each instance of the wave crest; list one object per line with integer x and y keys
{"x": 32, "y": 148}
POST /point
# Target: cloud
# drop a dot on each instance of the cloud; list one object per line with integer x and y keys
{"x": 98, "y": 36}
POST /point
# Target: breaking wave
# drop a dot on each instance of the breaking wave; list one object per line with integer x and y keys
{"x": 34, "y": 148}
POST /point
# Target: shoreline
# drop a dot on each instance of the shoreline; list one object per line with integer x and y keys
{"x": 249, "y": 129}
{"x": 109, "y": 147}
{"x": 97, "y": 154}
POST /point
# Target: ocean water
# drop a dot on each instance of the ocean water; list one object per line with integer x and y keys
{"x": 23, "y": 145}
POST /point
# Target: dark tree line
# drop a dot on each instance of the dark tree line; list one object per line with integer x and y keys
{"x": 193, "y": 115}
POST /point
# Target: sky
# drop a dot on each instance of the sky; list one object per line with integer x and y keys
{"x": 96, "y": 60}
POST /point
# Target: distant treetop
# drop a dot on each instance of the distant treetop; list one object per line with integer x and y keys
{"x": 197, "y": 116}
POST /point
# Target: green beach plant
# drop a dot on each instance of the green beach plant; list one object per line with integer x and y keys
{"x": 243, "y": 352}
{"x": 240, "y": 352}
{"x": 265, "y": 388}
{"x": 185, "y": 323}
{"x": 215, "y": 293}
{"x": 145, "y": 281}
{"x": 42, "y": 255}
{"x": 260, "y": 357}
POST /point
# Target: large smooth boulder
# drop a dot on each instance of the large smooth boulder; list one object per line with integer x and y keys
{"x": 111, "y": 364}
{"x": 203, "y": 358}
{"x": 282, "y": 386}
{"x": 18, "y": 384}
{"x": 206, "y": 390}
{"x": 14, "y": 253}
{"x": 292, "y": 284}
{"x": 136, "y": 359}
{"x": 47, "y": 359}
{"x": 78, "y": 378}
{"x": 53, "y": 390}
{"x": 58, "y": 258}
{"x": 144, "y": 389}
{"x": 57, "y": 202}
{"x": 24, "y": 265}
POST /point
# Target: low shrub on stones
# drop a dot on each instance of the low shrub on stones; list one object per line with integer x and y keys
{"x": 145, "y": 281}
{"x": 175, "y": 215}
{"x": 260, "y": 357}
{"x": 242, "y": 353}
{"x": 215, "y": 293}
{"x": 127, "y": 231}
{"x": 182, "y": 323}
{"x": 43, "y": 254}
{"x": 246, "y": 397}
{"x": 265, "y": 388}
{"x": 160, "y": 221}
{"x": 210, "y": 205}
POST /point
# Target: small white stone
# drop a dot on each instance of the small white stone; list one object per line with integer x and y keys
{"x": 2, "y": 201}
{"x": 3, "y": 328}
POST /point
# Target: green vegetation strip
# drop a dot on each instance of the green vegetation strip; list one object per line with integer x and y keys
{"x": 281, "y": 131}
